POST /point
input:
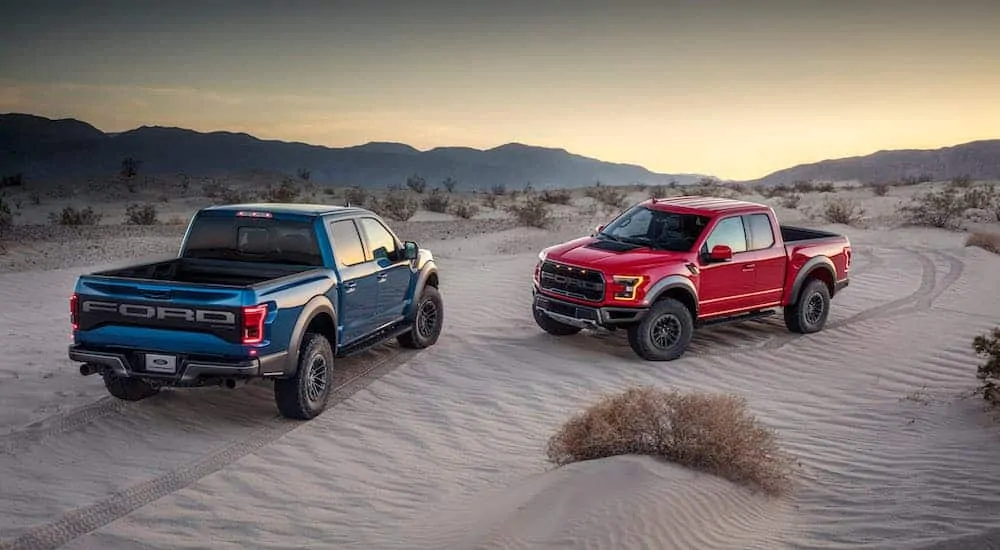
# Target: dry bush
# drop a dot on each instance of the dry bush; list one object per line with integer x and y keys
{"x": 606, "y": 195}
{"x": 533, "y": 212}
{"x": 943, "y": 208}
{"x": 416, "y": 183}
{"x": 140, "y": 214}
{"x": 771, "y": 191}
{"x": 657, "y": 191}
{"x": 981, "y": 198}
{"x": 72, "y": 216}
{"x": 988, "y": 373}
{"x": 449, "y": 184}
{"x": 286, "y": 191}
{"x": 713, "y": 433}
{"x": 437, "y": 202}
{"x": 356, "y": 196}
{"x": 556, "y": 196}
{"x": 880, "y": 189}
{"x": 986, "y": 241}
{"x": 397, "y": 205}
{"x": 841, "y": 210}
{"x": 464, "y": 210}
{"x": 490, "y": 201}
{"x": 790, "y": 201}
{"x": 498, "y": 190}
{"x": 961, "y": 182}
{"x": 803, "y": 186}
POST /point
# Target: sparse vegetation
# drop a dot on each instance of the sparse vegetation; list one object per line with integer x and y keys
{"x": 14, "y": 180}
{"x": 790, "y": 201}
{"x": 533, "y": 212}
{"x": 449, "y": 184}
{"x": 961, "y": 182}
{"x": 606, "y": 195}
{"x": 880, "y": 189}
{"x": 490, "y": 201}
{"x": 286, "y": 191}
{"x": 304, "y": 174}
{"x": 396, "y": 205}
{"x": 356, "y": 196}
{"x": 841, "y": 210}
{"x": 72, "y": 216}
{"x": 436, "y": 201}
{"x": 713, "y": 433}
{"x": 988, "y": 373}
{"x": 6, "y": 215}
{"x": 942, "y": 208}
{"x": 987, "y": 241}
{"x": 658, "y": 191}
{"x": 556, "y": 196}
{"x": 498, "y": 190}
{"x": 416, "y": 183}
{"x": 464, "y": 210}
{"x": 140, "y": 214}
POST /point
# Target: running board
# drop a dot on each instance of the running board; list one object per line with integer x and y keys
{"x": 751, "y": 316}
{"x": 379, "y": 336}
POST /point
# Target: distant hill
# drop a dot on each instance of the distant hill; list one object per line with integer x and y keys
{"x": 43, "y": 148}
{"x": 978, "y": 159}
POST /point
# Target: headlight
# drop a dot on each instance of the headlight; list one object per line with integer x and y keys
{"x": 626, "y": 286}
{"x": 541, "y": 255}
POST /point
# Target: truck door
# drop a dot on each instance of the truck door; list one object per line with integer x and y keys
{"x": 768, "y": 258}
{"x": 357, "y": 306}
{"x": 393, "y": 275}
{"x": 726, "y": 287}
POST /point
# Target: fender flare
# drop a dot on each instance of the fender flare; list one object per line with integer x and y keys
{"x": 806, "y": 271}
{"x": 672, "y": 282}
{"x": 426, "y": 270}
{"x": 316, "y": 306}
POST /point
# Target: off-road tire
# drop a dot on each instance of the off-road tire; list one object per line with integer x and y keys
{"x": 664, "y": 332}
{"x": 428, "y": 317}
{"x": 128, "y": 389}
{"x": 305, "y": 395}
{"x": 809, "y": 312}
{"x": 551, "y": 326}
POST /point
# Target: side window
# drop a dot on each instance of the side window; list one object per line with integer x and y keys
{"x": 380, "y": 241}
{"x": 729, "y": 232}
{"x": 347, "y": 243}
{"x": 761, "y": 233}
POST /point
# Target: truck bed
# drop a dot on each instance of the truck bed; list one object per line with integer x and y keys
{"x": 205, "y": 272}
{"x": 795, "y": 235}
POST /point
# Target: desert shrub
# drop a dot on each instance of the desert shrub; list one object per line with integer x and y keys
{"x": 556, "y": 196}
{"x": 825, "y": 187}
{"x": 533, "y": 212}
{"x": 771, "y": 191}
{"x": 304, "y": 174}
{"x": 397, "y": 205}
{"x": 841, "y": 210}
{"x": 988, "y": 373}
{"x": 790, "y": 201}
{"x": 981, "y": 198}
{"x": 490, "y": 201}
{"x": 880, "y": 189}
{"x": 356, "y": 196}
{"x": 72, "y": 216}
{"x": 14, "y": 180}
{"x": 943, "y": 208}
{"x": 606, "y": 195}
{"x": 330, "y": 192}
{"x": 961, "y": 182}
{"x": 986, "y": 241}
{"x": 498, "y": 190}
{"x": 6, "y": 214}
{"x": 464, "y": 209}
{"x": 657, "y": 191}
{"x": 449, "y": 184}
{"x": 286, "y": 191}
{"x": 437, "y": 202}
{"x": 140, "y": 214}
{"x": 416, "y": 183}
{"x": 713, "y": 433}
{"x": 803, "y": 186}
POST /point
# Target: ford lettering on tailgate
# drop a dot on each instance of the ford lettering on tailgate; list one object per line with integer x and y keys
{"x": 223, "y": 322}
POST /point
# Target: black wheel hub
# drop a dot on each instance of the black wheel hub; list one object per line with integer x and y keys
{"x": 317, "y": 378}
{"x": 665, "y": 332}
{"x": 814, "y": 308}
{"x": 427, "y": 319}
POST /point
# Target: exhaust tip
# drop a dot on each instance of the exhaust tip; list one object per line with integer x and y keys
{"x": 230, "y": 383}
{"x": 87, "y": 369}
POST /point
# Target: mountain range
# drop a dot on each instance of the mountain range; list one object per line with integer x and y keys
{"x": 44, "y": 148}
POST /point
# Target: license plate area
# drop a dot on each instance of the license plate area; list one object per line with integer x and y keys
{"x": 160, "y": 363}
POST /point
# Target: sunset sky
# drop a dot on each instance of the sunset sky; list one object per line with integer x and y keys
{"x": 736, "y": 89}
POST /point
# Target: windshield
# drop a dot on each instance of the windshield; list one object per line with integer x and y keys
{"x": 656, "y": 229}
{"x": 264, "y": 240}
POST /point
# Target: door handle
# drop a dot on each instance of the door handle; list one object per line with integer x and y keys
{"x": 350, "y": 286}
{"x": 382, "y": 277}
{"x": 749, "y": 267}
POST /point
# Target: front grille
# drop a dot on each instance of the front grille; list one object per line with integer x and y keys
{"x": 585, "y": 284}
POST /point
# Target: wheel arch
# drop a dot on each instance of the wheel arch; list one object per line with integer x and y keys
{"x": 318, "y": 315}
{"x": 676, "y": 287}
{"x": 820, "y": 268}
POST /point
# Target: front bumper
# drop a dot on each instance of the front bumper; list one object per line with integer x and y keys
{"x": 586, "y": 316}
{"x": 189, "y": 371}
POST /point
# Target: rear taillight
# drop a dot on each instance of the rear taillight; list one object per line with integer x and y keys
{"x": 74, "y": 311}
{"x": 253, "y": 324}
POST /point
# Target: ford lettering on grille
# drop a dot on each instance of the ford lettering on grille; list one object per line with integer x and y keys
{"x": 578, "y": 283}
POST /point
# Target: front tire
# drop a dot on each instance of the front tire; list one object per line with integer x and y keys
{"x": 808, "y": 314}
{"x": 428, "y": 317}
{"x": 664, "y": 332}
{"x": 128, "y": 389}
{"x": 551, "y": 326}
{"x": 305, "y": 395}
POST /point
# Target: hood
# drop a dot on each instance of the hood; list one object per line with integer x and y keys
{"x": 609, "y": 256}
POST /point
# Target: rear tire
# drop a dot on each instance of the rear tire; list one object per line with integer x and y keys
{"x": 809, "y": 313}
{"x": 128, "y": 389}
{"x": 428, "y": 316}
{"x": 551, "y": 326}
{"x": 305, "y": 395}
{"x": 664, "y": 332}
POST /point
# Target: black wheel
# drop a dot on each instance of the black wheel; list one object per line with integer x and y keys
{"x": 551, "y": 326}
{"x": 304, "y": 396}
{"x": 664, "y": 332}
{"x": 808, "y": 314}
{"x": 428, "y": 317}
{"x": 129, "y": 389}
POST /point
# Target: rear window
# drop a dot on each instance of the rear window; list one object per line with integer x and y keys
{"x": 264, "y": 240}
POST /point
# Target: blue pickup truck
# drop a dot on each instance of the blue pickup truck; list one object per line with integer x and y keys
{"x": 257, "y": 290}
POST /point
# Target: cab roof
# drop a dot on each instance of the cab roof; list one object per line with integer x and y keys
{"x": 705, "y": 206}
{"x": 289, "y": 208}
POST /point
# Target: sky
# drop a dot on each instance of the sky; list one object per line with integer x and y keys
{"x": 736, "y": 88}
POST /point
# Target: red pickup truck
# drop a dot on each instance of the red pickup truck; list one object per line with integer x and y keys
{"x": 664, "y": 267}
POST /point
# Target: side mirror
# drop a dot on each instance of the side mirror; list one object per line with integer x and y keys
{"x": 720, "y": 253}
{"x": 598, "y": 228}
{"x": 410, "y": 250}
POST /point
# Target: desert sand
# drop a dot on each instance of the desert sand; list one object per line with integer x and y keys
{"x": 444, "y": 448}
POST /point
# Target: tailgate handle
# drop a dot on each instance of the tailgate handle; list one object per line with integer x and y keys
{"x": 156, "y": 294}
{"x": 382, "y": 277}
{"x": 749, "y": 267}
{"x": 350, "y": 286}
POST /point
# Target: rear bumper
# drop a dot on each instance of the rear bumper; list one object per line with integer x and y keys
{"x": 190, "y": 371}
{"x": 840, "y": 285}
{"x": 585, "y": 316}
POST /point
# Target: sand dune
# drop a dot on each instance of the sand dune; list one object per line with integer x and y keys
{"x": 445, "y": 448}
